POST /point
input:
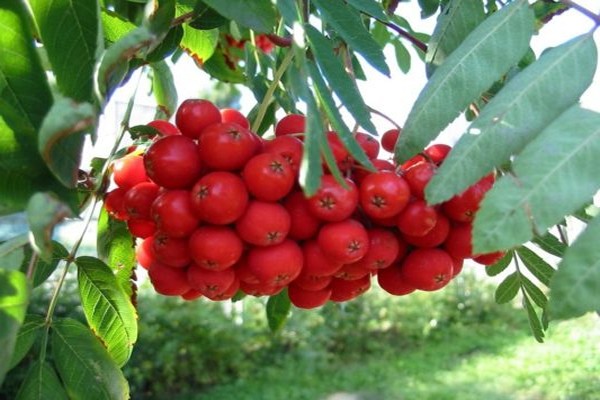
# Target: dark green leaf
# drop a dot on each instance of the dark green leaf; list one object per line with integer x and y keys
{"x": 550, "y": 244}
{"x": 459, "y": 18}
{"x": 12, "y": 252}
{"x": 163, "y": 87}
{"x": 268, "y": 120}
{"x": 71, "y": 35}
{"x": 207, "y": 18}
{"x": 14, "y": 298}
{"x": 61, "y": 138}
{"x": 482, "y": 58}
{"x": 501, "y": 265}
{"x": 107, "y": 308}
{"x": 341, "y": 83}
{"x": 114, "y": 26}
{"x": 553, "y": 177}
{"x": 534, "y": 320}
{"x": 350, "y": 27}
{"x": 44, "y": 211}
{"x": 575, "y": 286}
{"x": 143, "y": 131}
{"x": 369, "y": 7}
{"x": 41, "y": 382}
{"x": 278, "y": 309}
{"x": 218, "y": 67}
{"x": 514, "y": 116}
{"x": 508, "y": 288}
{"x": 536, "y": 265}
{"x": 258, "y": 15}
{"x": 428, "y": 7}
{"x": 160, "y": 14}
{"x": 546, "y": 10}
{"x": 28, "y": 334}
{"x": 85, "y": 367}
{"x": 42, "y": 269}
{"x": 402, "y": 56}
{"x": 168, "y": 45}
{"x": 534, "y": 292}
{"x": 288, "y": 10}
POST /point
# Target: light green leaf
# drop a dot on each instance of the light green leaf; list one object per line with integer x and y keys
{"x": 482, "y": 58}
{"x": 553, "y": 177}
{"x": 536, "y": 265}
{"x": 44, "y": 211}
{"x": 369, "y": 7}
{"x": 107, "y": 308}
{"x": 501, "y": 265}
{"x": 114, "y": 26}
{"x": 534, "y": 320}
{"x": 508, "y": 288}
{"x": 258, "y": 15}
{"x": 459, "y": 18}
{"x": 341, "y": 83}
{"x": 550, "y": 244}
{"x": 527, "y": 104}
{"x": 41, "y": 382}
{"x": 575, "y": 286}
{"x": 71, "y": 34}
{"x": 28, "y": 334}
{"x": 14, "y": 298}
{"x": 278, "y": 310}
{"x": 348, "y": 24}
{"x": 534, "y": 292}
{"x": 83, "y": 364}
{"x": 12, "y": 252}
{"x": 163, "y": 87}
{"x": 200, "y": 45}
{"x": 61, "y": 138}
{"x": 403, "y": 58}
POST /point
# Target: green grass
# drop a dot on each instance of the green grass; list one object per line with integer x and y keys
{"x": 475, "y": 363}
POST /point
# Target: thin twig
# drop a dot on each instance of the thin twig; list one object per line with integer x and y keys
{"x": 279, "y": 40}
{"x": 183, "y": 18}
{"x": 382, "y": 115}
{"x": 405, "y": 34}
{"x": 588, "y": 13}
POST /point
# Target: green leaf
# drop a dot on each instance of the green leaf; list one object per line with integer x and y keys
{"x": 553, "y": 177}
{"x": 41, "y": 382}
{"x": 500, "y": 265}
{"x": 258, "y": 15}
{"x": 288, "y": 10}
{"x": 348, "y": 24}
{"x": 508, "y": 288}
{"x": 536, "y": 265}
{"x": 482, "y": 58}
{"x": 341, "y": 83}
{"x": 42, "y": 269}
{"x": 107, "y": 308}
{"x": 28, "y": 334}
{"x": 159, "y": 15}
{"x": 114, "y": 26}
{"x": 550, "y": 244}
{"x": 278, "y": 310}
{"x": 163, "y": 87}
{"x": 534, "y": 320}
{"x": 369, "y": 7}
{"x": 71, "y": 35}
{"x": 44, "y": 211}
{"x": 207, "y": 18}
{"x": 168, "y": 46}
{"x": 217, "y": 67}
{"x": 83, "y": 364}
{"x": 454, "y": 24}
{"x": 21, "y": 76}
{"x": 514, "y": 116}
{"x": 61, "y": 138}
{"x": 200, "y": 45}
{"x": 534, "y": 292}
{"x": 403, "y": 58}
{"x": 575, "y": 286}
{"x": 428, "y": 7}
{"x": 14, "y": 298}
{"x": 12, "y": 252}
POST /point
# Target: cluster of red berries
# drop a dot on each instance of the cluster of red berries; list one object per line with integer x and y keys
{"x": 218, "y": 210}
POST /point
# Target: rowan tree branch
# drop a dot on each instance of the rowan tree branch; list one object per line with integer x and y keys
{"x": 588, "y": 13}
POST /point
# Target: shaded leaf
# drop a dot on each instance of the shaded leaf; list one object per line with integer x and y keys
{"x": 534, "y": 320}
{"x": 14, "y": 298}
{"x": 159, "y": 15}
{"x": 12, "y": 252}
{"x": 41, "y": 382}
{"x": 348, "y": 24}
{"x": 508, "y": 288}
{"x": 217, "y": 66}
{"x": 28, "y": 334}
{"x": 278, "y": 309}
{"x": 428, "y": 7}
{"x": 83, "y": 364}
{"x": 341, "y": 83}
{"x": 514, "y": 116}
{"x": 71, "y": 36}
{"x": 44, "y": 211}
{"x": 501, "y": 265}
{"x": 207, "y": 18}
{"x": 107, "y": 308}
{"x": 536, "y": 265}
{"x": 163, "y": 87}
{"x": 403, "y": 58}
{"x": 534, "y": 292}
{"x": 258, "y": 15}
{"x": 167, "y": 46}
{"x": 482, "y": 58}
{"x": 288, "y": 10}
{"x": 43, "y": 269}
{"x": 369, "y": 7}
{"x": 575, "y": 286}
{"x": 550, "y": 244}
{"x": 552, "y": 178}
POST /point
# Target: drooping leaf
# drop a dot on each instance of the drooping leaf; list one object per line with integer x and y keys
{"x": 553, "y": 177}
{"x": 482, "y": 58}
{"x": 341, "y": 83}
{"x": 28, "y": 334}
{"x": 167, "y": 46}
{"x": 428, "y": 7}
{"x": 534, "y": 292}
{"x": 536, "y": 265}
{"x": 83, "y": 364}
{"x": 348, "y": 24}
{"x": 200, "y": 45}
{"x": 454, "y": 24}
{"x": 41, "y": 382}
{"x": 14, "y": 298}
{"x": 514, "y": 116}
{"x": 61, "y": 138}
{"x": 507, "y": 289}
{"x": 278, "y": 310}
{"x": 258, "y": 15}
{"x": 402, "y": 54}
{"x": 550, "y": 244}
{"x": 44, "y": 211}
{"x": 163, "y": 87}
{"x": 107, "y": 308}
{"x": 534, "y": 320}
{"x": 501, "y": 265}
{"x": 71, "y": 36}
{"x": 575, "y": 286}
{"x": 369, "y": 7}
{"x": 43, "y": 269}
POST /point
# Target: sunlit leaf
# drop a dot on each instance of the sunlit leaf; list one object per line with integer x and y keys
{"x": 114, "y": 26}
{"x": 278, "y": 310}
{"x": 200, "y": 45}
{"x": 163, "y": 87}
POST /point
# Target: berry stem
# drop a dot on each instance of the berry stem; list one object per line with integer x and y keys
{"x": 588, "y": 13}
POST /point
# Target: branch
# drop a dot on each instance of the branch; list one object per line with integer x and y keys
{"x": 183, "y": 18}
{"x": 422, "y": 46}
{"x": 279, "y": 40}
{"x": 583, "y": 10}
